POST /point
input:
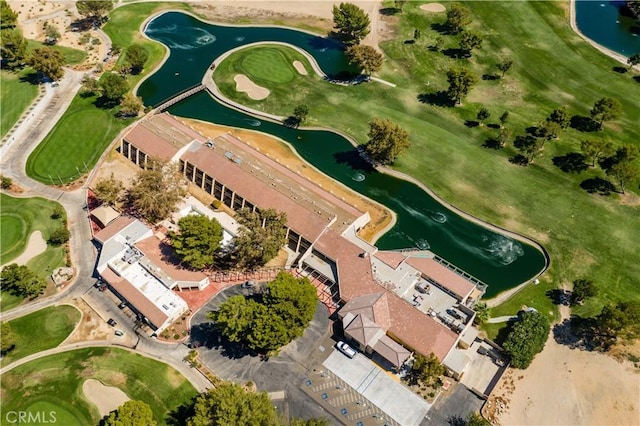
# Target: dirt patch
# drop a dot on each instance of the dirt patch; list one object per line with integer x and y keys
{"x": 300, "y": 68}
{"x": 433, "y": 8}
{"x": 255, "y": 92}
{"x": 35, "y": 246}
{"x": 90, "y": 327}
{"x": 105, "y": 398}
{"x": 380, "y": 216}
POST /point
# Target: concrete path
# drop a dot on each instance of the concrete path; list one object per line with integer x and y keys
{"x": 505, "y": 318}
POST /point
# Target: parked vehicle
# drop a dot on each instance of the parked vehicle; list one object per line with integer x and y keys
{"x": 346, "y": 349}
{"x": 112, "y": 322}
{"x": 119, "y": 333}
{"x": 122, "y": 305}
{"x": 248, "y": 284}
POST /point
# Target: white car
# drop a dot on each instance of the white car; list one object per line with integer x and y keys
{"x": 346, "y": 349}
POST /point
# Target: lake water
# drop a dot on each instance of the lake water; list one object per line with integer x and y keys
{"x": 499, "y": 261}
{"x": 601, "y": 22}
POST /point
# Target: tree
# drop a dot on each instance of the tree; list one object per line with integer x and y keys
{"x": 596, "y": 149}
{"x": 59, "y": 236}
{"x": 624, "y": 172}
{"x": 47, "y": 61}
{"x": 294, "y": 300}
{"x": 198, "y": 240}
{"x": 504, "y": 136}
{"x": 301, "y": 112}
{"x": 482, "y": 115}
{"x": 526, "y": 338}
{"x": 136, "y": 57}
{"x": 468, "y": 42}
{"x": 8, "y": 18}
{"x": 416, "y": 34}
{"x": 633, "y": 6}
{"x": 21, "y": 281}
{"x": 503, "y": 118}
{"x": 51, "y": 33}
{"x": 387, "y": 140}
{"x": 131, "y": 413}
{"x": 438, "y": 42}
{"x": 475, "y": 419}
{"x": 504, "y": 66}
{"x": 351, "y": 23}
{"x": 108, "y": 190}
{"x": 229, "y": 404}
{"x": 131, "y": 105}
{"x": 529, "y": 146}
{"x": 95, "y": 9}
{"x": 619, "y": 321}
{"x": 560, "y": 116}
{"x": 261, "y": 236}
{"x": 90, "y": 85}
{"x": 633, "y": 60}
{"x": 13, "y": 48}
{"x": 8, "y": 338}
{"x": 5, "y": 182}
{"x": 547, "y": 131}
{"x": 58, "y": 212}
{"x": 606, "y": 109}
{"x": 457, "y": 17}
{"x": 368, "y": 59}
{"x": 582, "y": 289}
{"x": 460, "y": 80}
{"x": 156, "y": 191}
{"x": 234, "y": 318}
{"x": 113, "y": 86}
{"x": 483, "y": 312}
{"x": 426, "y": 369}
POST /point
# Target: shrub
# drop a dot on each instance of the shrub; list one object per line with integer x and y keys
{"x": 59, "y": 236}
{"x": 5, "y": 182}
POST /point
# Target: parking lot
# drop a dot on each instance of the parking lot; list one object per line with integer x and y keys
{"x": 381, "y": 388}
{"x": 483, "y": 372}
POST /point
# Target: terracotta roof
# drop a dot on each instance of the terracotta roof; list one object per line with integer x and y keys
{"x": 391, "y": 351}
{"x": 163, "y": 256}
{"x": 442, "y": 275}
{"x": 391, "y": 258}
{"x": 135, "y": 297}
{"x": 373, "y": 306}
{"x": 113, "y": 228}
{"x": 304, "y": 221}
{"x": 364, "y": 330}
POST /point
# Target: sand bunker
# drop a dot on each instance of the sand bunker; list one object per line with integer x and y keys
{"x": 433, "y": 8}
{"x": 106, "y": 398}
{"x": 299, "y": 67}
{"x": 35, "y": 246}
{"x": 255, "y": 92}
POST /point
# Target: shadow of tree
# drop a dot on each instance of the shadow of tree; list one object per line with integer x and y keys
{"x": 559, "y": 296}
{"x": 471, "y": 123}
{"x": 389, "y": 11}
{"x": 583, "y": 123}
{"x": 621, "y": 70}
{"x": 519, "y": 160}
{"x": 492, "y": 143}
{"x": 441, "y": 28}
{"x": 291, "y": 122}
{"x": 105, "y": 103}
{"x": 576, "y": 333}
{"x": 456, "y": 53}
{"x": 437, "y": 98}
{"x": 597, "y": 185}
{"x": 180, "y": 415}
{"x": 456, "y": 421}
{"x": 208, "y": 336}
{"x": 493, "y": 126}
{"x": 572, "y": 162}
{"x": 490, "y": 77}
{"x": 31, "y": 78}
{"x": 354, "y": 160}
{"x": 637, "y": 78}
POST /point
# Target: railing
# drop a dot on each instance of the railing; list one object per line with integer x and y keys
{"x": 180, "y": 96}
{"x": 479, "y": 284}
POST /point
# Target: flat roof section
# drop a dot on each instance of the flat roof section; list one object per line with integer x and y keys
{"x": 443, "y": 276}
{"x": 113, "y": 228}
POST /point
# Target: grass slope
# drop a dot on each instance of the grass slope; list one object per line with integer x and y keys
{"x": 71, "y": 56}
{"x": 56, "y": 381}
{"x": 18, "y": 219}
{"x": 16, "y": 94}
{"x": 586, "y": 235}
{"x": 41, "y": 330}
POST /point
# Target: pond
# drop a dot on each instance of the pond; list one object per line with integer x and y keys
{"x": 603, "y": 23}
{"x": 423, "y": 222}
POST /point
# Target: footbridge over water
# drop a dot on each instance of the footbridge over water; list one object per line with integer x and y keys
{"x": 179, "y": 97}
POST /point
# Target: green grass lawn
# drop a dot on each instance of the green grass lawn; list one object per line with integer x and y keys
{"x": 56, "y": 381}
{"x": 17, "y": 93}
{"x": 71, "y": 56}
{"x": 19, "y": 217}
{"x": 41, "y": 330}
{"x": 587, "y": 235}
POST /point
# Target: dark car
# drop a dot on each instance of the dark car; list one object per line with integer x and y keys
{"x": 112, "y": 322}
{"x": 122, "y": 305}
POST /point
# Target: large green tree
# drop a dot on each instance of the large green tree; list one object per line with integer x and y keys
{"x": 529, "y": 146}
{"x": 387, "y": 140}
{"x": 504, "y": 66}
{"x": 131, "y": 413}
{"x": 156, "y": 190}
{"x": 582, "y": 289}
{"x": 368, "y": 59}
{"x": 198, "y": 240}
{"x": 108, "y": 189}
{"x": 94, "y": 8}
{"x": 131, "y": 105}
{"x": 624, "y": 172}
{"x": 606, "y": 109}
{"x": 47, "y": 61}
{"x": 526, "y": 338}
{"x": 8, "y": 18}
{"x": 13, "y": 47}
{"x": 596, "y": 149}
{"x": 113, "y": 86}
{"x": 228, "y": 404}
{"x": 136, "y": 57}
{"x": 8, "y": 338}
{"x": 618, "y": 322}
{"x": 460, "y": 80}
{"x": 261, "y": 236}
{"x": 21, "y": 281}
{"x": 426, "y": 369}
{"x": 457, "y": 17}
{"x": 350, "y": 22}
{"x": 560, "y": 116}
{"x": 633, "y": 60}
{"x": 279, "y": 317}
{"x": 469, "y": 41}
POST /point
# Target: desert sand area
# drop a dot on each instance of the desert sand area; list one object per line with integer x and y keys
{"x": 105, "y": 398}
{"x": 300, "y": 68}
{"x": 35, "y": 246}
{"x": 255, "y": 92}
{"x": 433, "y": 7}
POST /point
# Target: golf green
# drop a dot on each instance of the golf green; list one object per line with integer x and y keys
{"x": 267, "y": 64}
{"x": 14, "y": 234}
{"x": 56, "y": 412}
